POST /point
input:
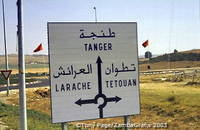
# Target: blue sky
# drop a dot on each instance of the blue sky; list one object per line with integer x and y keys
{"x": 167, "y": 24}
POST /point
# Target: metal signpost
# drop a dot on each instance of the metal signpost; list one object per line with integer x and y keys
{"x": 22, "y": 84}
{"x": 93, "y": 70}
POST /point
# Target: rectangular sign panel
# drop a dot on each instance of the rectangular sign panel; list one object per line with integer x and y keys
{"x": 93, "y": 70}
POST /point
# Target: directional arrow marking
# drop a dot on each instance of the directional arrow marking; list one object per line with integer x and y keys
{"x": 87, "y": 101}
{"x": 113, "y": 99}
{"x": 99, "y": 62}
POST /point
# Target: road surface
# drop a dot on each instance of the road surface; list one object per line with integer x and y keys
{"x": 40, "y": 83}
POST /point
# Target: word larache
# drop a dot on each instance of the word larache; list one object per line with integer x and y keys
{"x": 72, "y": 86}
{"x": 116, "y": 70}
{"x": 72, "y": 71}
{"x": 93, "y": 35}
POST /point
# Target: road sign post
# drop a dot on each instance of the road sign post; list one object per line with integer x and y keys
{"x": 22, "y": 84}
{"x": 93, "y": 70}
{"x": 126, "y": 121}
{"x": 64, "y": 126}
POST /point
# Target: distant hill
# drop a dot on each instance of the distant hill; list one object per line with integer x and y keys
{"x": 13, "y": 59}
{"x": 191, "y": 51}
{"x": 191, "y": 55}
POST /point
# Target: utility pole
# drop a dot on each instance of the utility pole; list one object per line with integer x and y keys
{"x": 199, "y": 10}
{"x": 95, "y": 11}
{"x": 22, "y": 85}
{"x": 5, "y": 44}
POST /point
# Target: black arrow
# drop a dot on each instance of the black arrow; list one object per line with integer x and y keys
{"x": 99, "y": 61}
{"x": 113, "y": 99}
{"x": 87, "y": 101}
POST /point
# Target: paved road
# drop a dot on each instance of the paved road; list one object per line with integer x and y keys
{"x": 41, "y": 83}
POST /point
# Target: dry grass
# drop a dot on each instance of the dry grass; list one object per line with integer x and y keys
{"x": 32, "y": 99}
{"x": 13, "y": 59}
{"x": 37, "y": 70}
{"x": 32, "y": 70}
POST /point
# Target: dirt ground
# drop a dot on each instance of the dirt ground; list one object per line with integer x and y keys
{"x": 3, "y": 126}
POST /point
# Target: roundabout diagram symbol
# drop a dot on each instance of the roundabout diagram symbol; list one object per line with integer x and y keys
{"x": 100, "y": 98}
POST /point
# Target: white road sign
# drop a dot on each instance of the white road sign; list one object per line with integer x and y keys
{"x": 93, "y": 70}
